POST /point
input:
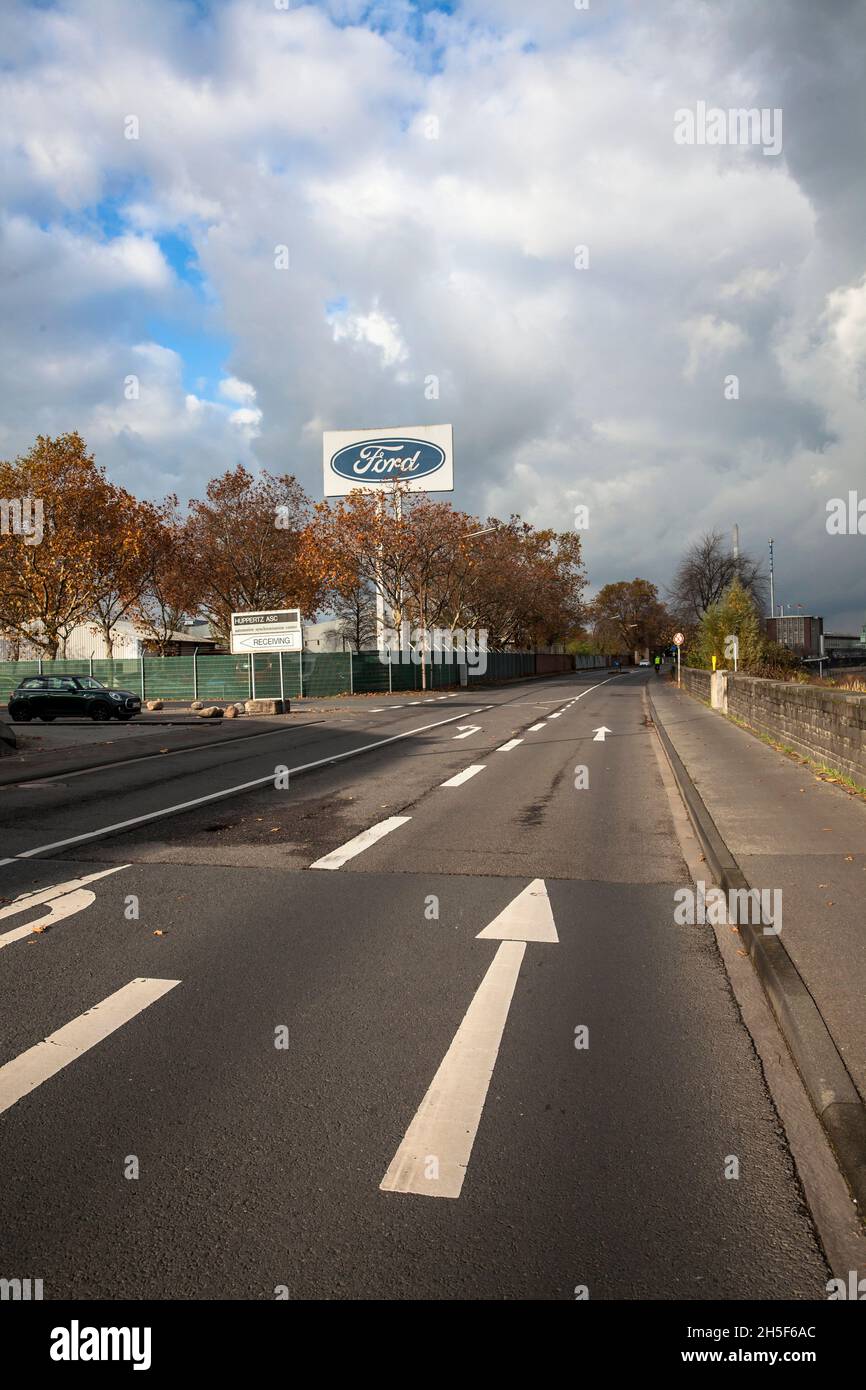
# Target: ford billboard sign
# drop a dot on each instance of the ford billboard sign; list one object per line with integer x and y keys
{"x": 420, "y": 456}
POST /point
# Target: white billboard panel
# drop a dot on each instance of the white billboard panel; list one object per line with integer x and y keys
{"x": 420, "y": 455}
{"x": 274, "y": 630}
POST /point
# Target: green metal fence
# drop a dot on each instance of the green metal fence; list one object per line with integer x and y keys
{"x": 288, "y": 674}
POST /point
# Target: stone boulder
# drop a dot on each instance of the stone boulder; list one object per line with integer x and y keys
{"x": 267, "y": 707}
{"x": 210, "y": 712}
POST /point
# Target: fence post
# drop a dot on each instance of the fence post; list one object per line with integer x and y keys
{"x": 141, "y": 669}
{"x": 252, "y": 676}
{"x": 39, "y": 659}
{"x": 389, "y": 671}
{"x": 351, "y": 673}
{"x": 282, "y": 688}
{"x": 195, "y": 674}
{"x": 90, "y": 666}
{"x": 301, "y": 674}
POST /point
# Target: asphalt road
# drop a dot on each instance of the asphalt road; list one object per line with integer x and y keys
{"x": 263, "y": 1098}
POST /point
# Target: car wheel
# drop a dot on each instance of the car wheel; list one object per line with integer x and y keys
{"x": 21, "y": 717}
{"x": 100, "y": 714}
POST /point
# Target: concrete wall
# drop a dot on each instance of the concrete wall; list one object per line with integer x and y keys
{"x": 696, "y": 682}
{"x": 826, "y": 725}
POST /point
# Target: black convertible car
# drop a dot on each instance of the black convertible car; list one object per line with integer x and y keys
{"x": 70, "y": 697}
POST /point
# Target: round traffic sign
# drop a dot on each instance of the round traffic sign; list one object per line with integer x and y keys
{"x": 679, "y": 639}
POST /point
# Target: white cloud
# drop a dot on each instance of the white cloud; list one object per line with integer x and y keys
{"x": 451, "y": 256}
{"x": 231, "y": 389}
{"x": 710, "y": 340}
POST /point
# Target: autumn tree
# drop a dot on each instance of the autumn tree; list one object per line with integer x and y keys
{"x": 170, "y": 594}
{"x": 629, "y": 615}
{"x": 123, "y": 559}
{"x": 705, "y": 572}
{"x": 47, "y": 588}
{"x": 355, "y": 611}
{"x": 246, "y": 544}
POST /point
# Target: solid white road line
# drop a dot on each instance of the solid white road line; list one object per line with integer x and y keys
{"x": 434, "y": 1155}
{"x": 229, "y": 791}
{"x": 464, "y": 776}
{"x": 533, "y": 728}
{"x": 31, "y": 1068}
{"x": 169, "y": 753}
{"x": 507, "y": 747}
{"x": 338, "y": 857}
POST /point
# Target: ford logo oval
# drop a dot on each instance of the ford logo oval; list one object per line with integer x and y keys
{"x": 383, "y": 460}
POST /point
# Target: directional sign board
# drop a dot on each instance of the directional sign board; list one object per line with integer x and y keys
{"x": 422, "y": 456}
{"x": 276, "y": 630}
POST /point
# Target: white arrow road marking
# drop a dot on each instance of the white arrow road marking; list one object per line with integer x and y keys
{"x": 62, "y": 900}
{"x": 600, "y": 733}
{"x": 527, "y": 917}
{"x": 507, "y": 747}
{"x": 446, "y": 1122}
{"x": 31, "y": 1068}
{"x": 338, "y": 857}
{"x": 469, "y": 729}
{"x": 463, "y": 776}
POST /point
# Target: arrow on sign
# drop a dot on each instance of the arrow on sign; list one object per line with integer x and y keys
{"x": 470, "y": 729}
{"x": 436, "y": 1148}
{"x": 600, "y": 733}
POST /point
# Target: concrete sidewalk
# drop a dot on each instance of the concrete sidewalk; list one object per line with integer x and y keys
{"x": 766, "y": 822}
{"x": 787, "y": 830}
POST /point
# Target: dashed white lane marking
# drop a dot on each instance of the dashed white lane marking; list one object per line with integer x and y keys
{"x": 376, "y": 711}
{"x": 507, "y": 747}
{"x": 37, "y": 1064}
{"x": 533, "y": 728}
{"x": 446, "y": 1121}
{"x": 464, "y": 776}
{"x": 359, "y": 843}
{"x": 557, "y": 714}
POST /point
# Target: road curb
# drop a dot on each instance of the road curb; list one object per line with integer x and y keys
{"x": 835, "y": 1098}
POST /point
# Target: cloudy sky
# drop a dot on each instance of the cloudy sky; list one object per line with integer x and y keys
{"x": 430, "y": 169}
